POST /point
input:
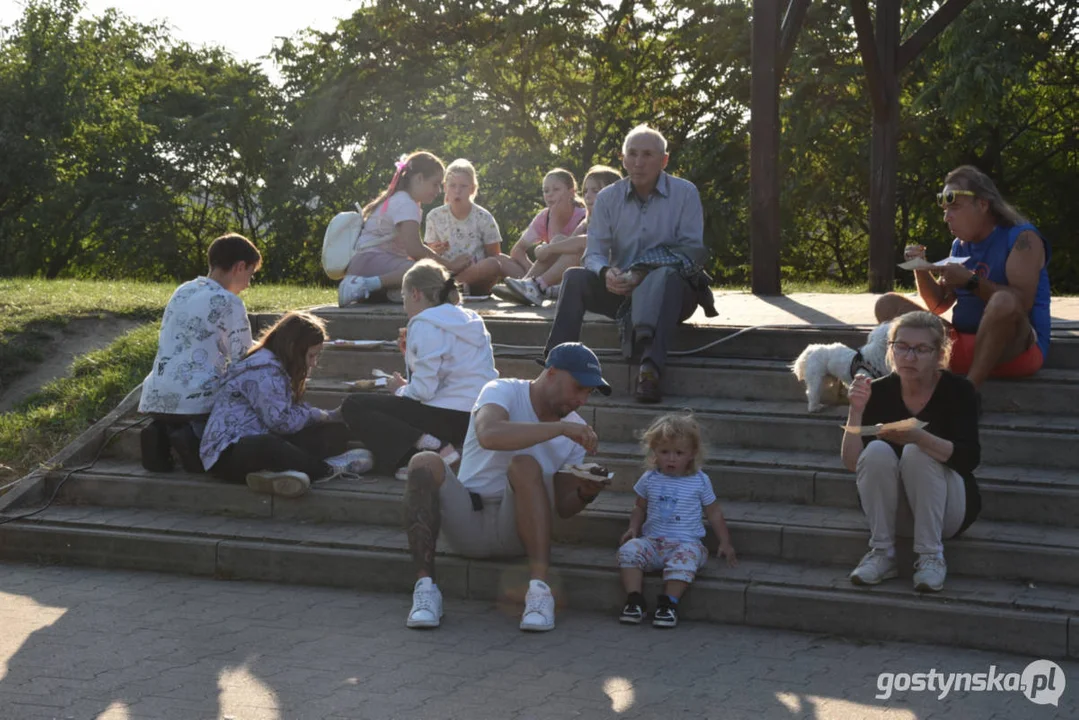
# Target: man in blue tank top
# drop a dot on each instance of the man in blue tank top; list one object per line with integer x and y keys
{"x": 1000, "y": 294}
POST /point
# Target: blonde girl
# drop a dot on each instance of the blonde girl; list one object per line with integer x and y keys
{"x": 665, "y": 527}
{"x": 461, "y": 228}
{"x": 544, "y": 278}
{"x": 390, "y": 242}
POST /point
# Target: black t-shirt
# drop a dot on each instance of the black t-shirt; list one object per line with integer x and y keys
{"x": 951, "y": 414}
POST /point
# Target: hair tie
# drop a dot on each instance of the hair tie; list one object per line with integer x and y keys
{"x": 447, "y": 288}
{"x": 401, "y": 166}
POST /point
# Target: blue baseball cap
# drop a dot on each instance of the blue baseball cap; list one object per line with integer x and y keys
{"x": 580, "y": 362}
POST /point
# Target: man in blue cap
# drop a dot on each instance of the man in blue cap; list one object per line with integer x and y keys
{"x": 499, "y": 504}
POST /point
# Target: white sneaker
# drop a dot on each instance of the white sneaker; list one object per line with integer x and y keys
{"x": 283, "y": 483}
{"x": 539, "y": 608}
{"x": 401, "y": 474}
{"x": 553, "y": 291}
{"x": 874, "y": 567}
{"x": 353, "y": 289}
{"x": 929, "y": 573}
{"x": 527, "y": 289}
{"x": 426, "y": 605}
{"x": 351, "y": 462}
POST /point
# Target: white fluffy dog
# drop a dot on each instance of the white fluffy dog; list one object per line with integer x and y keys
{"x": 819, "y": 362}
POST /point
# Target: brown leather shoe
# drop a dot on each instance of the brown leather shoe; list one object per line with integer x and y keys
{"x": 648, "y": 386}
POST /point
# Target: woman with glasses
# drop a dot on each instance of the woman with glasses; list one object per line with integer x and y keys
{"x": 920, "y": 479}
{"x": 999, "y": 295}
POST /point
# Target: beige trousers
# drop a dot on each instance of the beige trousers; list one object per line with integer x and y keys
{"x": 911, "y": 490}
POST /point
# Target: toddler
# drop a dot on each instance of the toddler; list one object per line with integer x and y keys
{"x": 665, "y": 527}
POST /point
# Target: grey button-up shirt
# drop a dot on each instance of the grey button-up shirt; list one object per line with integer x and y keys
{"x": 622, "y": 228}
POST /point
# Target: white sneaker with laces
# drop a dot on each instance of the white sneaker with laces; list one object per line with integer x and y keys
{"x": 426, "y": 605}
{"x": 539, "y": 608}
{"x": 353, "y": 289}
{"x": 527, "y": 289}
{"x": 929, "y": 573}
{"x": 351, "y": 462}
{"x": 874, "y": 567}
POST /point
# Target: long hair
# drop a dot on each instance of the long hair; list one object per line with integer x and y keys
{"x": 921, "y": 320}
{"x": 289, "y": 339}
{"x": 968, "y": 177}
{"x": 418, "y": 163}
{"x": 674, "y": 427}
{"x": 433, "y": 281}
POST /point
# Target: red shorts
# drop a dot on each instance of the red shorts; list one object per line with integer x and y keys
{"x": 1028, "y": 363}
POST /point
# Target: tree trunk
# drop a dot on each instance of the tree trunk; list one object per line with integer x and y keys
{"x": 764, "y": 150}
{"x": 884, "y": 153}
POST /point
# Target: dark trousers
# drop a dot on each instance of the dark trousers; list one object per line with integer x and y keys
{"x": 583, "y": 290}
{"x": 303, "y": 451}
{"x": 172, "y": 432}
{"x": 389, "y": 426}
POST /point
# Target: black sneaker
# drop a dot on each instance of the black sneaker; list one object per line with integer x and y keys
{"x": 666, "y": 615}
{"x": 634, "y": 611}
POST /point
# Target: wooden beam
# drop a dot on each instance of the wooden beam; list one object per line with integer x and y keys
{"x": 867, "y": 46}
{"x": 764, "y": 150}
{"x": 929, "y": 30}
{"x": 793, "y": 20}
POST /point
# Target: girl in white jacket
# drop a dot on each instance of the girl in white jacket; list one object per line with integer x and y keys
{"x": 449, "y": 357}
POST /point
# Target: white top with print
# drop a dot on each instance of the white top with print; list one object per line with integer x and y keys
{"x": 204, "y": 330}
{"x": 465, "y": 237}
{"x": 674, "y": 504}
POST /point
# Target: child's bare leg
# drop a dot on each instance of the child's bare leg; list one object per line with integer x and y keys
{"x": 632, "y": 579}
{"x": 673, "y": 588}
{"x": 510, "y": 267}
{"x": 553, "y": 275}
{"x": 481, "y": 276}
{"x": 541, "y": 266}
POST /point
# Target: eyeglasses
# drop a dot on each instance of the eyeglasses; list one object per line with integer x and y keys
{"x": 946, "y": 198}
{"x": 901, "y": 348}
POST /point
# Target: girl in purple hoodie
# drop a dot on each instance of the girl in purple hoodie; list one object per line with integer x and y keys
{"x": 261, "y": 432}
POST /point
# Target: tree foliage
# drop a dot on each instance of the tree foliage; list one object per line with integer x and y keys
{"x": 125, "y": 151}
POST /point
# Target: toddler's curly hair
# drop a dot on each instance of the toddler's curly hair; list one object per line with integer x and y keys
{"x": 673, "y": 427}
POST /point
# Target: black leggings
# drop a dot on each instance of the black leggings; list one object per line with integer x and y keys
{"x": 389, "y": 426}
{"x": 303, "y": 451}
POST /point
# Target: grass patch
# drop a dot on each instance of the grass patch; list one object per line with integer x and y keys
{"x": 31, "y": 312}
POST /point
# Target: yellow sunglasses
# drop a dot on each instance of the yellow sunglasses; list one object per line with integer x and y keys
{"x": 946, "y": 198}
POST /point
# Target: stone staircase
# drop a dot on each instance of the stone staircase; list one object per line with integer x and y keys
{"x": 793, "y": 510}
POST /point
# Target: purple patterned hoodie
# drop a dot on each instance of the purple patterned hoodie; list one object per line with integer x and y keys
{"x": 255, "y": 399}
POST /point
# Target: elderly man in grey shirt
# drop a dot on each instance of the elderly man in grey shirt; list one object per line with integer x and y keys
{"x": 645, "y": 237}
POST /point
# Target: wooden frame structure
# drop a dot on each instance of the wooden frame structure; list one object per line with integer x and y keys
{"x": 884, "y": 57}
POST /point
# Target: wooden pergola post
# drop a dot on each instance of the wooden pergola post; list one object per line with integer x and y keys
{"x": 764, "y": 149}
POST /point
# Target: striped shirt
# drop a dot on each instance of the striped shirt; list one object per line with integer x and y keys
{"x": 674, "y": 504}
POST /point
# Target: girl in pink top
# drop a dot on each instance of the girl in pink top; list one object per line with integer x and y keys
{"x": 562, "y": 250}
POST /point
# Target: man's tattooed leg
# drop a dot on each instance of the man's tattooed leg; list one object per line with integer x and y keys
{"x": 422, "y": 517}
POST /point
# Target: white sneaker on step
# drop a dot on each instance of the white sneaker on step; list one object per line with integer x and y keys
{"x": 539, "y": 608}
{"x": 426, "y": 605}
{"x": 353, "y": 289}
{"x": 527, "y": 289}
{"x": 929, "y": 573}
{"x": 351, "y": 462}
{"x": 874, "y": 567}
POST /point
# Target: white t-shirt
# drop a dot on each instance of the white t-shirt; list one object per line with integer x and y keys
{"x": 484, "y": 471}
{"x": 204, "y": 330}
{"x": 381, "y": 227}
{"x": 465, "y": 237}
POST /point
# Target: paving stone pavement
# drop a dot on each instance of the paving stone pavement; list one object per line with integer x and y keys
{"x": 83, "y": 643}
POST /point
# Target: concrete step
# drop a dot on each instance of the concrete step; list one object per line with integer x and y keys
{"x": 1052, "y": 392}
{"x": 529, "y": 327}
{"x": 993, "y": 615}
{"x": 1013, "y": 493}
{"x": 812, "y": 534}
{"x": 1006, "y": 438}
